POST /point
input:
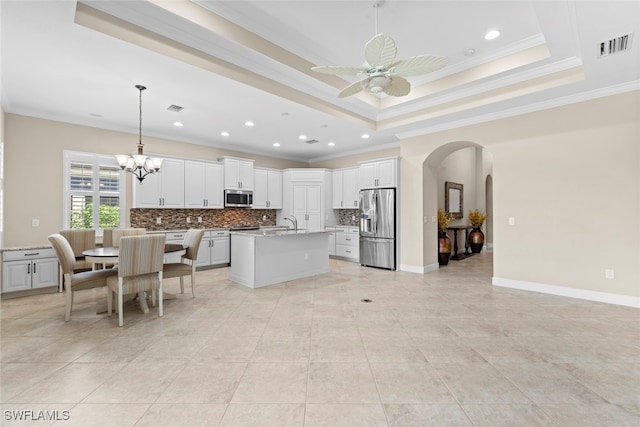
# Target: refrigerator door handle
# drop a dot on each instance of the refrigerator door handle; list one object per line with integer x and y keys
{"x": 375, "y": 213}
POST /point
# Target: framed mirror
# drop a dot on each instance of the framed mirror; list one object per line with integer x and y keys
{"x": 453, "y": 199}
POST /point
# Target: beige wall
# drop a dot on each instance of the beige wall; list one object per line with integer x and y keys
{"x": 570, "y": 176}
{"x": 36, "y": 192}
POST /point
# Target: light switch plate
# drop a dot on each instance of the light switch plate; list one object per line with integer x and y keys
{"x": 159, "y": 220}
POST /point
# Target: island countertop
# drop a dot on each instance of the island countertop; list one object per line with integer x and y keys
{"x": 279, "y": 232}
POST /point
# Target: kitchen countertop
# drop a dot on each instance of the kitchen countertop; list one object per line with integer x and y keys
{"x": 278, "y": 232}
{"x": 25, "y": 248}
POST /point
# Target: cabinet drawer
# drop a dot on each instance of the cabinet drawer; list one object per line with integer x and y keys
{"x": 175, "y": 236}
{"x": 347, "y": 239}
{"x": 28, "y": 254}
{"x": 218, "y": 233}
{"x": 348, "y": 251}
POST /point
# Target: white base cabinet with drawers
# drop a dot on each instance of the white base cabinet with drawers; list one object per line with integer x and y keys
{"x": 347, "y": 243}
{"x": 214, "y": 248}
{"x": 29, "y": 269}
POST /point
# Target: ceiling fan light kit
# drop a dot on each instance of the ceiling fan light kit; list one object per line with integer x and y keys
{"x": 383, "y": 74}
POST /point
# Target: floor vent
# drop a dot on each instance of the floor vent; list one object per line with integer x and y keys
{"x": 311, "y": 141}
{"x": 615, "y": 45}
{"x": 175, "y": 108}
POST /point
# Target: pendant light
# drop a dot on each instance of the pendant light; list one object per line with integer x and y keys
{"x": 139, "y": 164}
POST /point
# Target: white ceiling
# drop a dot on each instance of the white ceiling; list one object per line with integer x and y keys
{"x": 227, "y": 62}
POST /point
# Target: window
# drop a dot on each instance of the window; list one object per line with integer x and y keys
{"x": 94, "y": 191}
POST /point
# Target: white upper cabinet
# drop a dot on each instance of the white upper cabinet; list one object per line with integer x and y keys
{"x": 345, "y": 188}
{"x": 238, "y": 173}
{"x": 203, "y": 185}
{"x": 164, "y": 189}
{"x": 379, "y": 173}
{"x": 267, "y": 191}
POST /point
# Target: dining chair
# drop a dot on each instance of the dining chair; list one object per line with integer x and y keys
{"x": 139, "y": 269}
{"x": 76, "y": 281}
{"x": 117, "y": 233}
{"x": 80, "y": 240}
{"x": 187, "y": 264}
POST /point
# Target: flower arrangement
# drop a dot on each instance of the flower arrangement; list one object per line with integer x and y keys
{"x": 477, "y": 218}
{"x": 444, "y": 218}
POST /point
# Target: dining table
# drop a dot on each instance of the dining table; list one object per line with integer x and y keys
{"x": 109, "y": 256}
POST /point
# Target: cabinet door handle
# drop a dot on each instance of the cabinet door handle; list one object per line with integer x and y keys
{"x": 34, "y": 268}
{"x": 28, "y": 268}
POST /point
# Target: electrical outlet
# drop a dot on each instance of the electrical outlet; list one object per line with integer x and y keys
{"x": 200, "y": 219}
{"x": 434, "y": 218}
{"x": 608, "y": 273}
{"x": 264, "y": 217}
{"x": 158, "y": 220}
{"x": 188, "y": 220}
{"x": 353, "y": 217}
{"x": 512, "y": 221}
{"x": 35, "y": 223}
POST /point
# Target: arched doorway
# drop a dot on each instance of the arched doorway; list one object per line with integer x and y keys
{"x": 476, "y": 193}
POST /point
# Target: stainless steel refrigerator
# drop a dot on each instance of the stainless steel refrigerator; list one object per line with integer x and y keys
{"x": 378, "y": 228}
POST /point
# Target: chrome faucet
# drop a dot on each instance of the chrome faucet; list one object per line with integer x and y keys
{"x": 293, "y": 220}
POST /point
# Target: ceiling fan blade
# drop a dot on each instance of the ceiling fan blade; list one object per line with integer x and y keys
{"x": 399, "y": 86}
{"x": 417, "y": 65}
{"x": 337, "y": 70}
{"x": 380, "y": 51}
{"x": 352, "y": 89}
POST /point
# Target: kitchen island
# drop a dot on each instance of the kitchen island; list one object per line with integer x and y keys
{"x": 265, "y": 257}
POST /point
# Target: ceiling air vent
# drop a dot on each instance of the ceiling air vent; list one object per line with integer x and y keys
{"x": 311, "y": 141}
{"x": 175, "y": 108}
{"x": 615, "y": 45}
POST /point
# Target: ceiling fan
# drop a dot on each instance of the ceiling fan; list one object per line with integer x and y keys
{"x": 384, "y": 74}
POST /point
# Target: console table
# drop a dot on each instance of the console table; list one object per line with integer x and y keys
{"x": 467, "y": 252}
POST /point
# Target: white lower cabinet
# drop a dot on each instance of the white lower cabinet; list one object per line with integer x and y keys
{"x": 214, "y": 248}
{"x": 29, "y": 269}
{"x": 347, "y": 243}
{"x": 332, "y": 243}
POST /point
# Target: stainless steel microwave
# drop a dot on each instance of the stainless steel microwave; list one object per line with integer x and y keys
{"x": 238, "y": 198}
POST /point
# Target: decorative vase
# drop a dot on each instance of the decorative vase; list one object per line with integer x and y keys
{"x": 444, "y": 248}
{"x": 476, "y": 240}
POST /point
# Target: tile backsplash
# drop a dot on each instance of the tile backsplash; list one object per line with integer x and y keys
{"x": 348, "y": 217}
{"x": 176, "y": 219}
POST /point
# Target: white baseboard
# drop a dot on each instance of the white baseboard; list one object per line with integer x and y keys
{"x": 617, "y": 299}
{"x": 418, "y": 269}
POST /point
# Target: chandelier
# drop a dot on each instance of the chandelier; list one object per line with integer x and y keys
{"x": 139, "y": 164}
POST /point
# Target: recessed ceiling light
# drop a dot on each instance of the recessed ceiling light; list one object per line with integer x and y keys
{"x": 492, "y": 34}
{"x": 469, "y": 52}
{"x": 365, "y": 136}
{"x": 224, "y": 133}
{"x": 276, "y": 144}
{"x": 178, "y": 124}
{"x": 95, "y": 115}
{"x": 284, "y": 114}
{"x": 248, "y": 123}
{"x": 324, "y": 126}
{"x": 331, "y": 144}
{"x": 302, "y": 137}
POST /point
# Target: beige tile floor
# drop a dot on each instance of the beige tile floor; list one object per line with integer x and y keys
{"x": 440, "y": 349}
